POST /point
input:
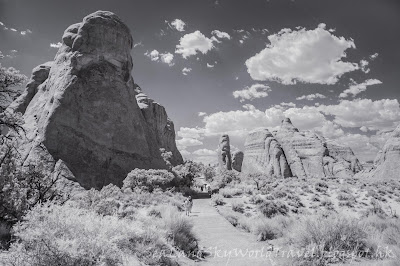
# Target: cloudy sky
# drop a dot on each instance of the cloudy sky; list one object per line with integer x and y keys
{"x": 230, "y": 66}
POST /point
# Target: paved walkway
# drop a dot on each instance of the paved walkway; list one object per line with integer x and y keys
{"x": 226, "y": 244}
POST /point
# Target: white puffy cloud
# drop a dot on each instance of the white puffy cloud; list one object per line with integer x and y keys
{"x": 205, "y": 152}
{"x": 12, "y": 29}
{"x": 309, "y": 56}
{"x": 167, "y": 58}
{"x": 185, "y": 153}
{"x": 187, "y": 132}
{"x": 202, "y": 113}
{"x": 188, "y": 142}
{"x": 360, "y": 144}
{"x": 156, "y": 56}
{"x": 311, "y": 97}
{"x": 138, "y": 44}
{"x": 358, "y": 88}
{"x": 364, "y": 66}
{"x": 364, "y": 129}
{"x": 153, "y": 55}
{"x": 373, "y": 56}
{"x": 252, "y": 92}
{"x": 379, "y": 114}
{"x": 192, "y": 43}
{"x": 209, "y": 65}
{"x": 221, "y": 34}
{"x": 55, "y": 45}
{"x": 186, "y": 70}
{"x": 178, "y": 24}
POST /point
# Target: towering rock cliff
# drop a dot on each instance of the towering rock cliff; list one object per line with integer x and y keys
{"x": 263, "y": 154}
{"x": 290, "y": 152}
{"x": 387, "y": 162}
{"x": 224, "y": 153}
{"x": 83, "y": 113}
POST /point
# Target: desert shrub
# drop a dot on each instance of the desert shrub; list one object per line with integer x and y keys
{"x": 147, "y": 180}
{"x": 107, "y": 206}
{"x": 266, "y": 229}
{"x": 230, "y": 192}
{"x": 23, "y": 188}
{"x": 321, "y": 186}
{"x": 345, "y": 196}
{"x": 278, "y": 194}
{"x": 179, "y": 230}
{"x": 315, "y": 198}
{"x": 256, "y": 199}
{"x": 217, "y": 199}
{"x": 270, "y": 208}
{"x": 64, "y": 235}
{"x": 224, "y": 177}
{"x": 237, "y": 206}
{"x": 328, "y": 237}
{"x": 294, "y": 201}
{"x": 326, "y": 202}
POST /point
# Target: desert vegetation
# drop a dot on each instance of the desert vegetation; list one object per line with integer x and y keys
{"x": 331, "y": 217}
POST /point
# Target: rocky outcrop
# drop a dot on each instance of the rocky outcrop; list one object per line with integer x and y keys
{"x": 290, "y": 152}
{"x": 38, "y": 77}
{"x": 87, "y": 114}
{"x": 237, "y": 160}
{"x": 224, "y": 153}
{"x": 159, "y": 124}
{"x": 263, "y": 154}
{"x": 304, "y": 150}
{"x": 387, "y": 162}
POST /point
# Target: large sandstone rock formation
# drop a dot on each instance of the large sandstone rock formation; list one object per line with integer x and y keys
{"x": 224, "y": 153}
{"x": 263, "y": 154}
{"x": 237, "y": 160}
{"x": 290, "y": 152}
{"x": 83, "y": 111}
{"x": 387, "y": 162}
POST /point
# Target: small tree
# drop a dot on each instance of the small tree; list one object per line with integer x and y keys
{"x": 147, "y": 179}
{"x": 10, "y": 79}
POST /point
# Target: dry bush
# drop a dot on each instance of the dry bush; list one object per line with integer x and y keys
{"x": 228, "y": 192}
{"x": 64, "y": 235}
{"x": 217, "y": 199}
{"x": 237, "y": 206}
{"x": 328, "y": 236}
{"x": 270, "y": 208}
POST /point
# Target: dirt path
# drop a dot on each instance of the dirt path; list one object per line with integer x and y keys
{"x": 226, "y": 244}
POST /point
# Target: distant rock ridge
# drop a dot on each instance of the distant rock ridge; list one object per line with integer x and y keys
{"x": 237, "y": 160}
{"x": 387, "y": 162}
{"x": 83, "y": 112}
{"x": 290, "y": 152}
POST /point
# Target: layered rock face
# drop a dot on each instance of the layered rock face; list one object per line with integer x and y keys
{"x": 237, "y": 160}
{"x": 387, "y": 162}
{"x": 290, "y": 152}
{"x": 263, "y": 154}
{"x": 224, "y": 153}
{"x": 87, "y": 114}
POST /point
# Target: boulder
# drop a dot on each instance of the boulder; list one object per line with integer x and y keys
{"x": 224, "y": 153}
{"x": 86, "y": 113}
{"x": 264, "y": 155}
{"x": 237, "y": 160}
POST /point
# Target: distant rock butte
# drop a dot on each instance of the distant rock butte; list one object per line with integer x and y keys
{"x": 237, "y": 160}
{"x": 224, "y": 153}
{"x": 387, "y": 162}
{"x": 83, "y": 112}
{"x": 263, "y": 154}
{"x": 290, "y": 152}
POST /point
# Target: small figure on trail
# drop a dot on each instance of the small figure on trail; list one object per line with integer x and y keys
{"x": 209, "y": 189}
{"x": 188, "y": 205}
